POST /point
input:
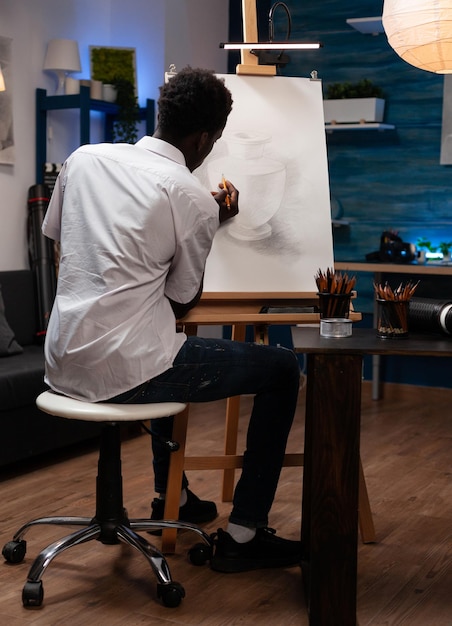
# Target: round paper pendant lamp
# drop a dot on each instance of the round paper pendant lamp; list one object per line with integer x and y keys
{"x": 420, "y": 31}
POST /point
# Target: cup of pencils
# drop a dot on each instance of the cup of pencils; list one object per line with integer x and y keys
{"x": 334, "y": 292}
{"x": 392, "y": 309}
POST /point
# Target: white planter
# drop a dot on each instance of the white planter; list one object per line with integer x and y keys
{"x": 109, "y": 93}
{"x": 354, "y": 110}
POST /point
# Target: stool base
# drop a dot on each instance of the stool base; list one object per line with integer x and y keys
{"x": 110, "y": 525}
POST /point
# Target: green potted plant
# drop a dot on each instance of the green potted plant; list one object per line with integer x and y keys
{"x": 358, "y": 102}
{"x": 444, "y": 248}
{"x": 423, "y": 245}
{"x": 362, "y": 89}
{"x": 115, "y": 68}
{"x": 125, "y": 125}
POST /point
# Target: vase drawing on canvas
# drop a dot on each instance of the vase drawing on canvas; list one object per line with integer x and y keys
{"x": 260, "y": 180}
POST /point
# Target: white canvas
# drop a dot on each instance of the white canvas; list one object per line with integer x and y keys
{"x": 283, "y": 234}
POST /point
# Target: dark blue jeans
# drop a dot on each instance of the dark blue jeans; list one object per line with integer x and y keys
{"x": 211, "y": 369}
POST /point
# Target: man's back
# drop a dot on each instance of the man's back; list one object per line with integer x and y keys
{"x": 136, "y": 226}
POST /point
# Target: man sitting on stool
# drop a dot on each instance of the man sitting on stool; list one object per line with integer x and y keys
{"x": 135, "y": 227}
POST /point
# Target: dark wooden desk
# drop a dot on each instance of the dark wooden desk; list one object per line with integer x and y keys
{"x": 331, "y": 460}
{"x": 430, "y": 269}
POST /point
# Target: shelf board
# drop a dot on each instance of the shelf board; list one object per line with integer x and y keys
{"x": 372, "y": 133}
{"x": 367, "y": 25}
{"x": 368, "y": 126}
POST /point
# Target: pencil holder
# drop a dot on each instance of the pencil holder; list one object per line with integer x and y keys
{"x": 335, "y": 305}
{"x": 392, "y": 318}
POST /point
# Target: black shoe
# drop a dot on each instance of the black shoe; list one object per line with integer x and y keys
{"x": 264, "y": 550}
{"x": 194, "y": 511}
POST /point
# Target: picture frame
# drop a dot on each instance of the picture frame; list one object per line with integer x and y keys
{"x": 108, "y": 63}
{"x": 7, "y": 144}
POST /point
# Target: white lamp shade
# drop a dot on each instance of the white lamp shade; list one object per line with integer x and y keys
{"x": 2, "y": 81}
{"x": 62, "y": 54}
{"x": 420, "y": 31}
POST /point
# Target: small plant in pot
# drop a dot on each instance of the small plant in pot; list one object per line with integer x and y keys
{"x": 362, "y": 89}
{"x": 353, "y": 103}
{"x": 423, "y": 246}
{"x": 444, "y": 248}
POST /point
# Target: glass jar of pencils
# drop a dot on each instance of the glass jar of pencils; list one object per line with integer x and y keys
{"x": 392, "y": 319}
{"x": 335, "y": 293}
{"x": 392, "y": 309}
{"x": 334, "y": 305}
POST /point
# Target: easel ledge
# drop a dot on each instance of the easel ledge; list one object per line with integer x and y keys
{"x": 259, "y": 295}
{"x": 239, "y": 308}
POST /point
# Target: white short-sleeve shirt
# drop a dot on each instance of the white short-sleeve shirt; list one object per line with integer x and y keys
{"x": 135, "y": 227}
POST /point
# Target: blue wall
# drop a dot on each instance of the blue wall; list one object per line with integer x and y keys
{"x": 380, "y": 181}
{"x": 393, "y": 181}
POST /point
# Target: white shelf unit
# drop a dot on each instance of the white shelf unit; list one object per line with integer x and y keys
{"x": 367, "y": 25}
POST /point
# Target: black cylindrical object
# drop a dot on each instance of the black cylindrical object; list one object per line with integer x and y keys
{"x": 41, "y": 253}
{"x": 430, "y": 315}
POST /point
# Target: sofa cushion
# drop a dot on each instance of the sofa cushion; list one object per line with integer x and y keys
{"x": 8, "y": 343}
{"x": 21, "y": 378}
{"x": 18, "y": 291}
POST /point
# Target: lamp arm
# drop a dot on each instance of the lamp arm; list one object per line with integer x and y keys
{"x": 271, "y": 28}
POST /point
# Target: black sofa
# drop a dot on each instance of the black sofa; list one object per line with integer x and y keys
{"x": 25, "y": 430}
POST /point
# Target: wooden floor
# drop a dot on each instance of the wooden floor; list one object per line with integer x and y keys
{"x": 404, "y": 579}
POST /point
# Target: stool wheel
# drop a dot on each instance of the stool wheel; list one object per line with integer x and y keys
{"x": 199, "y": 554}
{"x": 32, "y": 593}
{"x": 14, "y": 551}
{"x": 171, "y": 594}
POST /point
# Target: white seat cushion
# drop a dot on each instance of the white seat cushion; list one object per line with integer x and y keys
{"x": 62, "y": 406}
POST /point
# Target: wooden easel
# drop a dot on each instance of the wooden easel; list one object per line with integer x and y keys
{"x": 250, "y": 62}
{"x": 240, "y": 310}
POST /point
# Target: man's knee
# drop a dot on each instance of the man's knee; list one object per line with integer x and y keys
{"x": 286, "y": 362}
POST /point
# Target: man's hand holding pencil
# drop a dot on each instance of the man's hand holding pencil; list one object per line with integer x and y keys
{"x": 228, "y": 200}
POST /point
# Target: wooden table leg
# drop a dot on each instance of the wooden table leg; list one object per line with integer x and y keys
{"x": 330, "y": 488}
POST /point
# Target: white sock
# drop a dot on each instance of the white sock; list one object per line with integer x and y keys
{"x": 183, "y": 497}
{"x": 241, "y": 534}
